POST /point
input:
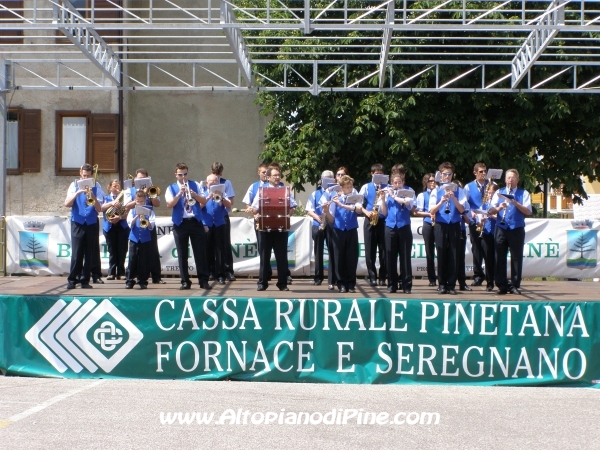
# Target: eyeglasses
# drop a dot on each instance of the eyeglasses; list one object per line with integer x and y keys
{"x": 431, "y": 181}
{"x": 340, "y": 174}
{"x": 181, "y": 174}
{"x": 447, "y": 174}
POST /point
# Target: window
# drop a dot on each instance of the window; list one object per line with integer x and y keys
{"x": 84, "y": 137}
{"x": 11, "y": 15}
{"x": 24, "y": 140}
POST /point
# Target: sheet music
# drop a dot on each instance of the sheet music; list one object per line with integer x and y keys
{"x": 85, "y": 183}
{"x": 380, "y": 178}
{"x": 449, "y": 187}
{"x": 494, "y": 174}
{"x": 142, "y": 183}
{"x": 220, "y": 188}
{"x": 405, "y": 193}
{"x": 127, "y": 184}
{"x": 334, "y": 188}
{"x": 326, "y": 182}
{"x": 354, "y": 198}
{"x": 142, "y": 210}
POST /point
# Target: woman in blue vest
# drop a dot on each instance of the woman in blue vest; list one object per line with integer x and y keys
{"x": 344, "y": 218}
{"x": 427, "y": 228}
{"x": 398, "y": 234}
{"x": 116, "y": 232}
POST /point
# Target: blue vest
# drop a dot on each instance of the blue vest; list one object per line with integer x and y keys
{"x": 513, "y": 218}
{"x": 345, "y": 219}
{"x": 106, "y": 225}
{"x": 177, "y": 214}
{"x": 213, "y": 214}
{"x": 139, "y": 235}
{"x": 148, "y": 204}
{"x": 490, "y": 226}
{"x": 82, "y": 213}
{"x": 398, "y": 215}
{"x": 441, "y": 216}
{"x": 475, "y": 198}
{"x": 370, "y": 197}
{"x": 426, "y": 195}
{"x": 318, "y": 207}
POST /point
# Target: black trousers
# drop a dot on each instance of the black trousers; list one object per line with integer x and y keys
{"x": 345, "y": 244}
{"x": 447, "y": 240}
{"x": 190, "y": 231}
{"x": 375, "y": 240}
{"x": 139, "y": 263}
{"x": 398, "y": 245}
{"x": 84, "y": 247}
{"x": 318, "y": 237}
{"x": 275, "y": 241}
{"x": 154, "y": 264}
{"x": 330, "y": 241}
{"x": 478, "y": 252}
{"x": 512, "y": 240}
{"x": 216, "y": 249}
{"x": 489, "y": 256}
{"x": 258, "y": 244}
{"x": 429, "y": 240}
{"x": 461, "y": 276}
{"x": 117, "y": 242}
{"x": 228, "y": 251}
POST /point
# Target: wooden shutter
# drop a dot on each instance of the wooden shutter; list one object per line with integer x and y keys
{"x": 16, "y": 36}
{"x": 30, "y": 139}
{"x": 105, "y": 141}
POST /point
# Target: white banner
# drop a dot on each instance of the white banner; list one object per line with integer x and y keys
{"x": 553, "y": 248}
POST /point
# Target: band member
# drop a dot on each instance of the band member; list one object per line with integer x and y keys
{"x": 487, "y": 236}
{"x": 116, "y": 230}
{"x": 184, "y": 198}
{"x": 154, "y": 263}
{"x": 427, "y": 228}
{"x": 398, "y": 234}
{"x": 84, "y": 228}
{"x": 475, "y": 193}
{"x": 275, "y": 241}
{"x": 447, "y": 206}
{"x": 461, "y": 276}
{"x": 217, "y": 169}
{"x": 374, "y": 230}
{"x": 510, "y": 231}
{"x": 213, "y": 214}
{"x": 344, "y": 218}
{"x": 314, "y": 209}
{"x": 140, "y": 243}
{"x": 252, "y": 191}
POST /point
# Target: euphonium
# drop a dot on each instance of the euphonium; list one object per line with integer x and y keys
{"x": 116, "y": 211}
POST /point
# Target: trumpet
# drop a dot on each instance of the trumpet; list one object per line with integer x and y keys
{"x": 144, "y": 223}
{"x": 89, "y": 199}
{"x": 153, "y": 191}
{"x": 217, "y": 197}
{"x": 188, "y": 195}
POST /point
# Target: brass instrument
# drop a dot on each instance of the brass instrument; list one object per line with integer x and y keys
{"x": 323, "y": 223}
{"x": 144, "y": 223}
{"x": 217, "y": 197}
{"x": 486, "y": 198}
{"x": 115, "y": 211}
{"x": 188, "y": 195}
{"x": 90, "y": 201}
{"x": 375, "y": 216}
{"x": 153, "y": 192}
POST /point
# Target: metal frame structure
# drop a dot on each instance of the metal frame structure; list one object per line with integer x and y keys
{"x": 309, "y": 46}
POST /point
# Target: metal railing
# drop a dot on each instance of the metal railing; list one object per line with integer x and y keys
{"x": 2, "y": 246}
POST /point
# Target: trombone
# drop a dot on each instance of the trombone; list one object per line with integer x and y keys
{"x": 90, "y": 201}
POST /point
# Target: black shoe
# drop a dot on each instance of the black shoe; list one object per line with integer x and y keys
{"x": 231, "y": 277}
{"x": 211, "y": 277}
{"x": 501, "y": 292}
{"x": 343, "y": 290}
{"x": 490, "y": 288}
{"x": 381, "y": 282}
{"x": 372, "y": 282}
{"x": 110, "y": 277}
{"x": 352, "y": 290}
{"x": 442, "y": 291}
{"x": 129, "y": 286}
{"x": 289, "y": 280}
{"x": 221, "y": 280}
{"x": 86, "y": 286}
{"x": 514, "y": 290}
{"x": 391, "y": 290}
{"x": 331, "y": 287}
{"x": 318, "y": 282}
{"x": 185, "y": 286}
{"x": 143, "y": 286}
{"x": 477, "y": 283}
{"x": 432, "y": 283}
{"x": 440, "y": 288}
{"x": 204, "y": 285}
{"x": 467, "y": 288}
{"x": 452, "y": 291}
{"x": 407, "y": 291}
{"x": 261, "y": 287}
{"x": 158, "y": 282}
{"x": 284, "y": 288}
{"x": 71, "y": 285}
{"x": 98, "y": 281}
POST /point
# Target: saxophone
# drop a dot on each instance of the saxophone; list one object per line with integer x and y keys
{"x": 486, "y": 198}
{"x": 375, "y": 216}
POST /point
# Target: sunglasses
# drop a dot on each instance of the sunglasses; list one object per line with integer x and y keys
{"x": 482, "y": 171}
{"x": 340, "y": 174}
{"x": 431, "y": 181}
{"x": 181, "y": 174}
{"x": 447, "y": 173}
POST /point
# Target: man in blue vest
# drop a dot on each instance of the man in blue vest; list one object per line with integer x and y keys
{"x": 475, "y": 193}
{"x": 217, "y": 169}
{"x": 374, "y": 235}
{"x": 447, "y": 206}
{"x": 511, "y": 204}
{"x": 84, "y": 228}
{"x": 140, "y": 244}
{"x": 184, "y": 198}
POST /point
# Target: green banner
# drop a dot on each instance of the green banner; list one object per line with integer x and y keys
{"x": 308, "y": 340}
